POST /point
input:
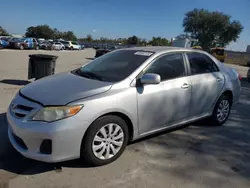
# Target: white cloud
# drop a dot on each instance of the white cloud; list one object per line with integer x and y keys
{"x": 94, "y": 30}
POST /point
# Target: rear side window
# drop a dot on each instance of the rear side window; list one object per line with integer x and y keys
{"x": 168, "y": 66}
{"x": 201, "y": 63}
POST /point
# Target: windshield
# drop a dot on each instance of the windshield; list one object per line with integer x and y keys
{"x": 115, "y": 66}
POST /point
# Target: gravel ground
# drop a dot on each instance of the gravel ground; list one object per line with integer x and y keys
{"x": 195, "y": 156}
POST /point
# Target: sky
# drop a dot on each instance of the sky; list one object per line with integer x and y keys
{"x": 118, "y": 18}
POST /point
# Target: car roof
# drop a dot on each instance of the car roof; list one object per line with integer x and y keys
{"x": 158, "y": 49}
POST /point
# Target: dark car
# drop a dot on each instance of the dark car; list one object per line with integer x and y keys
{"x": 100, "y": 52}
{"x": 24, "y": 43}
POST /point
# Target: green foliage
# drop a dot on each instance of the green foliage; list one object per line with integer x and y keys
{"x": 159, "y": 41}
{"x": 3, "y": 32}
{"x": 45, "y": 31}
{"x": 208, "y": 27}
{"x": 133, "y": 40}
{"x": 40, "y": 31}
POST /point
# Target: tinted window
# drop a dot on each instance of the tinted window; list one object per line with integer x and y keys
{"x": 74, "y": 43}
{"x": 168, "y": 67}
{"x": 116, "y": 66}
{"x": 201, "y": 63}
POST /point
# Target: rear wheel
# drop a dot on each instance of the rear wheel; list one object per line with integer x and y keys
{"x": 105, "y": 140}
{"x": 221, "y": 110}
{"x": 71, "y": 48}
{"x": 21, "y": 47}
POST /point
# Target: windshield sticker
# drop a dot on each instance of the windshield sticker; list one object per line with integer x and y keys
{"x": 144, "y": 53}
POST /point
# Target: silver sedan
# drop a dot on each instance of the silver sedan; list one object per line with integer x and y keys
{"x": 94, "y": 111}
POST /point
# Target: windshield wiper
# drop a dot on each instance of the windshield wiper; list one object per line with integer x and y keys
{"x": 88, "y": 74}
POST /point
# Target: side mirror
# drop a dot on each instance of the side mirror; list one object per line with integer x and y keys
{"x": 150, "y": 78}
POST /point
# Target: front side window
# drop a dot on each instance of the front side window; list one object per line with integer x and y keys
{"x": 168, "y": 66}
{"x": 115, "y": 66}
{"x": 201, "y": 63}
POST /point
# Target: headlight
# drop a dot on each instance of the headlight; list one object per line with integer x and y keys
{"x": 49, "y": 114}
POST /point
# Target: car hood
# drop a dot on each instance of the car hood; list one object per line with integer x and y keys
{"x": 63, "y": 88}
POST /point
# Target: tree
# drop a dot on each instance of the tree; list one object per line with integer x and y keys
{"x": 132, "y": 40}
{"x": 89, "y": 38}
{"x": 159, "y": 41}
{"x": 208, "y": 27}
{"x": 69, "y": 35}
{"x": 3, "y": 32}
{"x": 40, "y": 31}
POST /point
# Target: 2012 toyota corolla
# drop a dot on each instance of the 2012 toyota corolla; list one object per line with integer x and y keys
{"x": 94, "y": 111}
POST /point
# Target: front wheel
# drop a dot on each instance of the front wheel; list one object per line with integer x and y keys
{"x": 221, "y": 110}
{"x": 105, "y": 140}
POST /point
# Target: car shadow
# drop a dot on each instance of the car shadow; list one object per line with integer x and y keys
{"x": 195, "y": 147}
{"x": 15, "y": 82}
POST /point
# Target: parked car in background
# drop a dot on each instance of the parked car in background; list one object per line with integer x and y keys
{"x": 66, "y": 44}
{"x": 44, "y": 45}
{"x": 24, "y": 43}
{"x": 73, "y": 45}
{"x": 102, "y": 51}
{"x": 4, "y": 42}
{"x": 82, "y": 46}
{"x": 119, "y": 97}
{"x": 57, "y": 46}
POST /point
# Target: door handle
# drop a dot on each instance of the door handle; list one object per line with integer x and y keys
{"x": 185, "y": 86}
{"x": 218, "y": 79}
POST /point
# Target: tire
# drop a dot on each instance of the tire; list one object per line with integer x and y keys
{"x": 71, "y": 48}
{"x": 21, "y": 47}
{"x": 215, "y": 119}
{"x": 88, "y": 143}
{"x": 37, "y": 47}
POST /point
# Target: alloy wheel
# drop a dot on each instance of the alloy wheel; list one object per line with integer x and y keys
{"x": 223, "y": 110}
{"x": 108, "y": 141}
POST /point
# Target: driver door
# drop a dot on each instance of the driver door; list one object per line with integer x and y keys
{"x": 167, "y": 102}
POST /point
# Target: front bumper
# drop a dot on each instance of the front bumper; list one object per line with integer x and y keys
{"x": 65, "y": 136}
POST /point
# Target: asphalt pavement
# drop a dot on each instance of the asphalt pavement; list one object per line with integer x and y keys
{"x": 194, "y": 156}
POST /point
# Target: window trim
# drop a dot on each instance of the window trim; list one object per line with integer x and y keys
{"x": 189, "y": 67}
{"x": 156, "y": 58}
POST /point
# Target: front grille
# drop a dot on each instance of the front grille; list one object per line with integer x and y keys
{"x": 20, "y": 142}
{"x": 219, "y": 51}
{"x": 20, "y": 111}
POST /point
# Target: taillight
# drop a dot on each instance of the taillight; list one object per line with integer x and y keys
{"x": 239, "y": 77}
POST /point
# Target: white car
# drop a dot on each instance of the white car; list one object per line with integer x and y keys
{"x": 57, "y": 46}
{"x": 73, "y": 45}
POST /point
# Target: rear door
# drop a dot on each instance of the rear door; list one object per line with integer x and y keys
{"x": 207, "y": 82}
